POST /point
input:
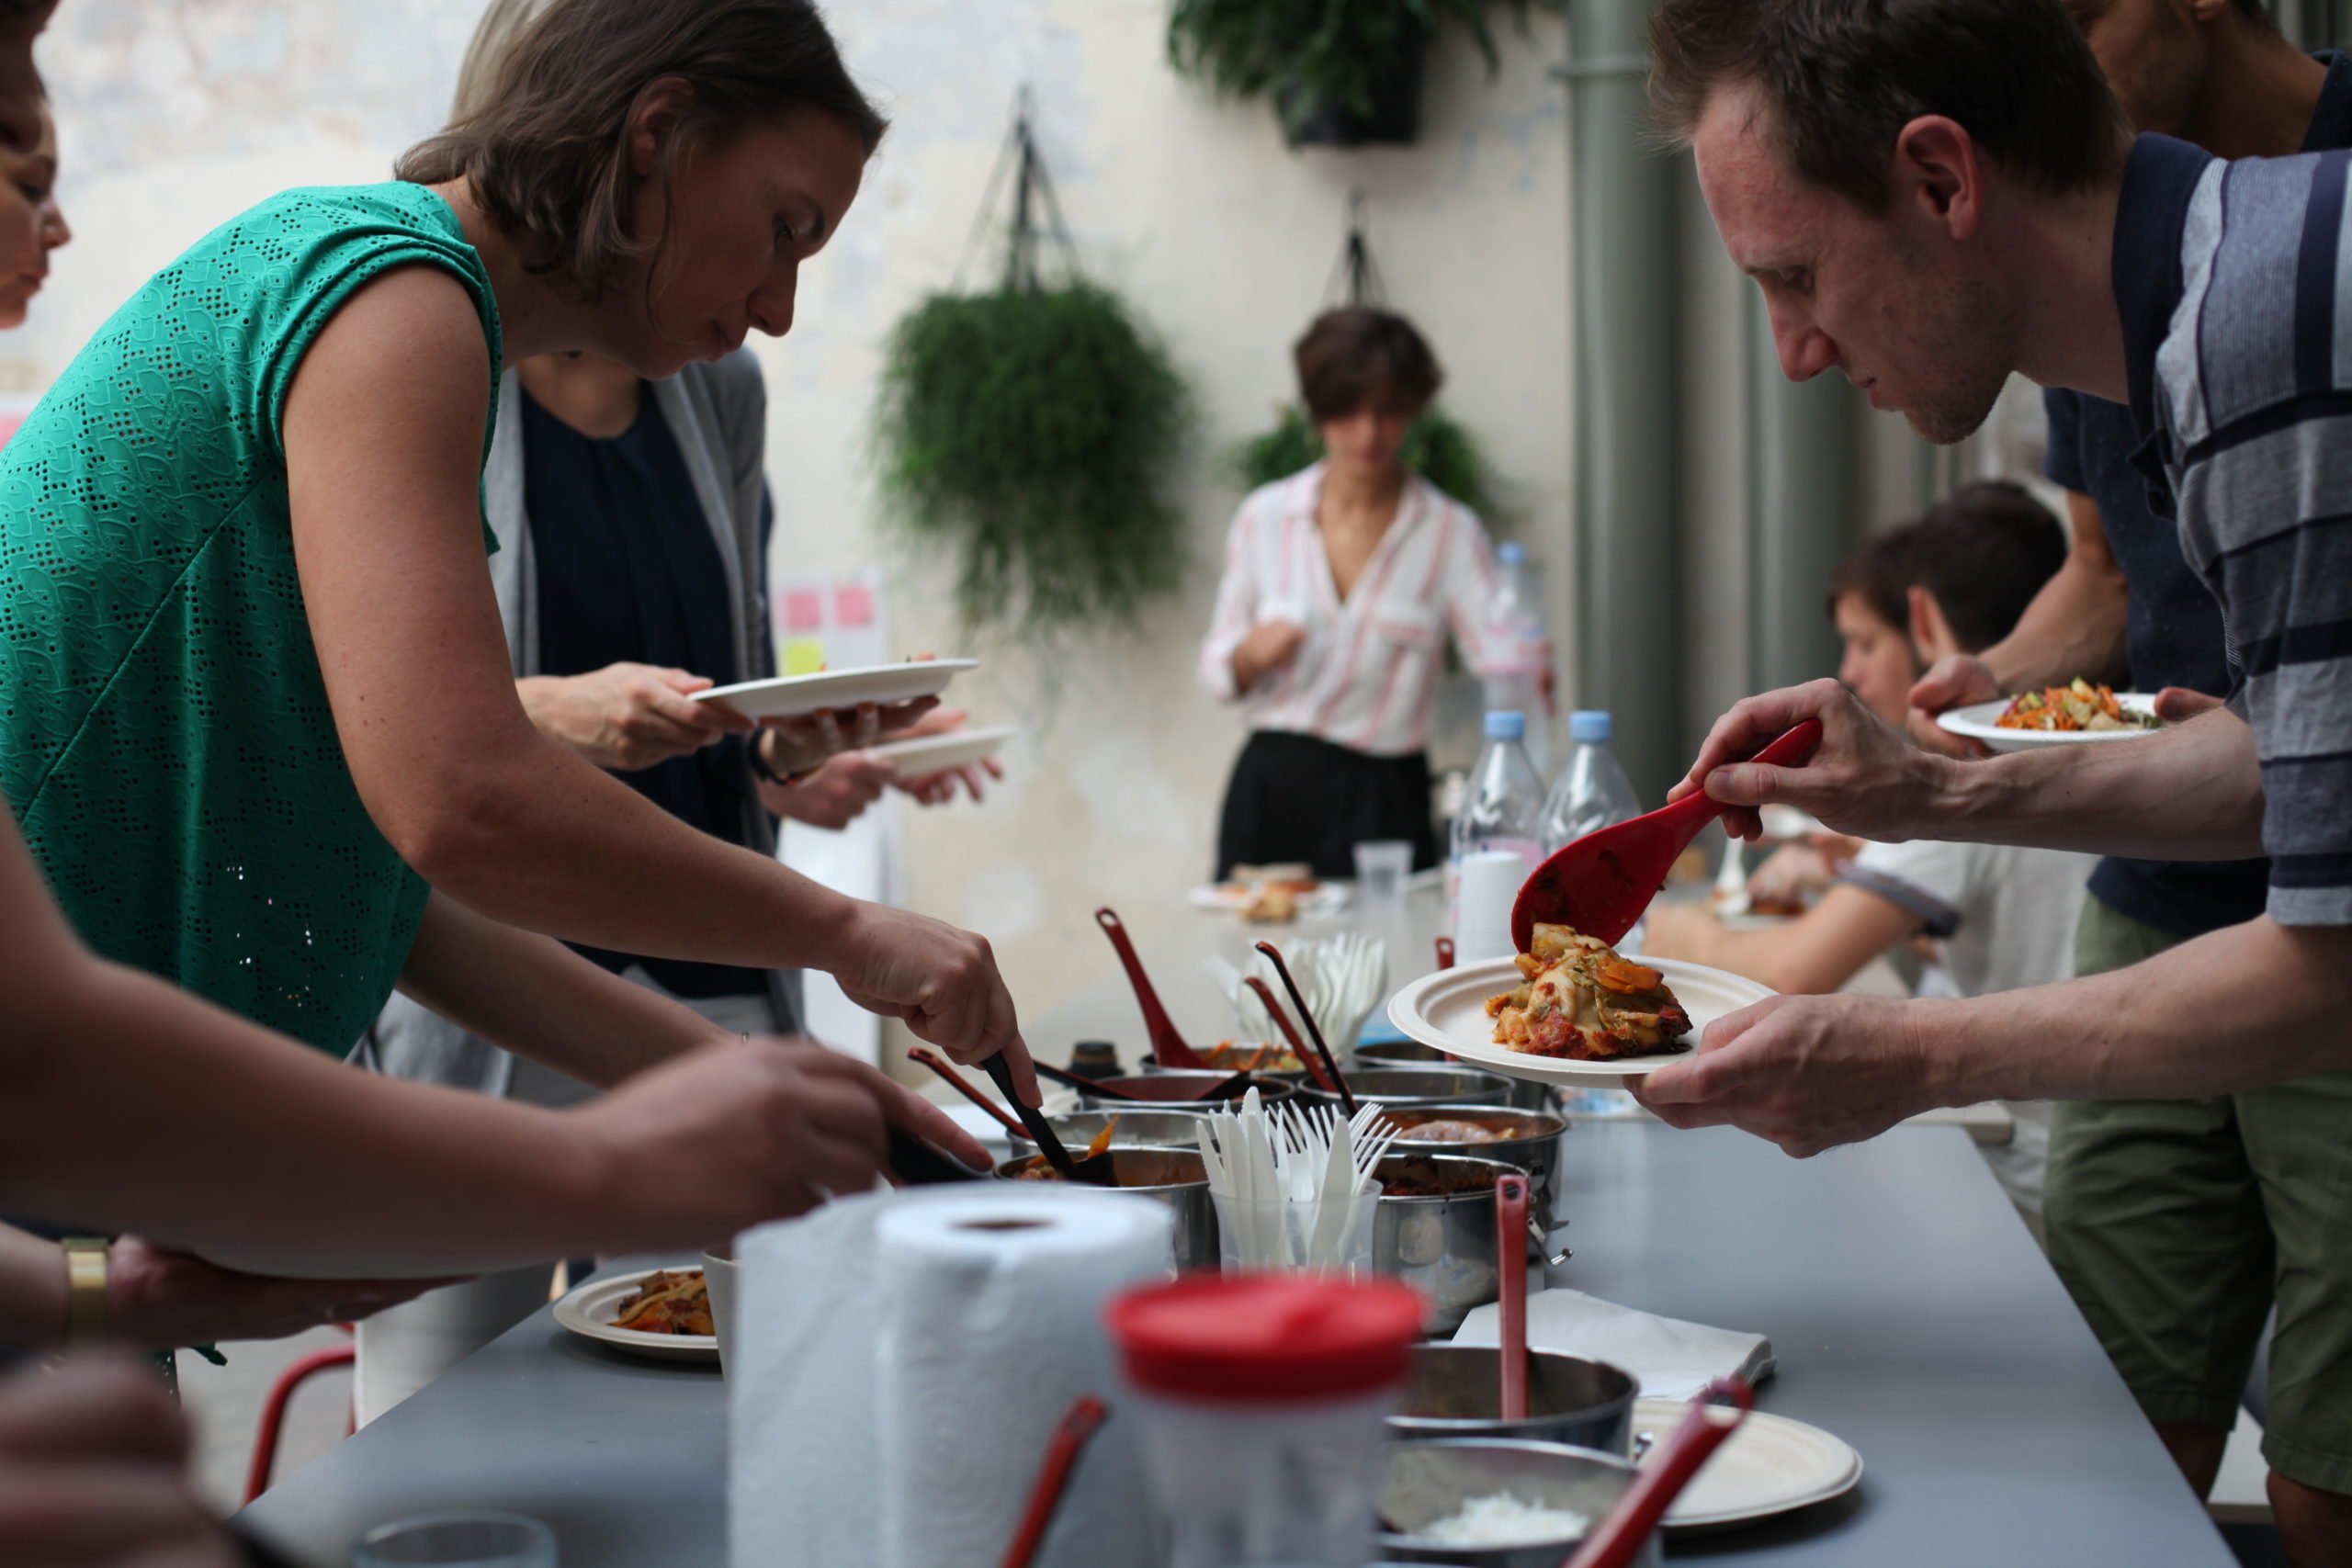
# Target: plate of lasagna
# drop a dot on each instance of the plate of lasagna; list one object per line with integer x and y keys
{"x": 1571, "y": 1011}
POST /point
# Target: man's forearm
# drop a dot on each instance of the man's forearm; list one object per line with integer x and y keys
{"x": 2075, "y": 627}
{"x": 537, "y": 997}
{"x": 2193, "y": 793}
{"x": 2252, "y": 1005}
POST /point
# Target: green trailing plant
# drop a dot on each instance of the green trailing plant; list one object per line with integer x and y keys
{"x": 1028, "y": 433}
{"x": 1437, "y": 448}
{"x": 1308, "y": 55}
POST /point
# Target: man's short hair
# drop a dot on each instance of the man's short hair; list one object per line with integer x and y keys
{"x": 1361, "y": 356}
{"x": 1842, "y": 77}
{"x": 1985, "y": 553}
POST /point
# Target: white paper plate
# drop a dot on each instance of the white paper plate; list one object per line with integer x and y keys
{"x": 1976, "y": 722}
{"x": 936, "y": 753}
{"x": 1769, "y": 1466}
{"x": 1448, "y": 1009}
{"x": 1326, "y": 897}
{"x": 788, "y": 696}
{"x": 589, "y": 1310}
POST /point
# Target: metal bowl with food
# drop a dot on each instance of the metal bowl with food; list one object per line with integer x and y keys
{"x": 1417, "y": 1085}
{"x": 1434, "y": 1229}
{"x": 1177, "y": 1091}
{"x": 1274, "y": 1061}
{"x": 1489, "y": 1503}
{"x": 1168, "y": 1175}
{"x": 1144, "y": 1125}
{"x": 1456, "y": 1392}
{"x": 1528, "y": 1139}
{"x": 1527, "y": 1094}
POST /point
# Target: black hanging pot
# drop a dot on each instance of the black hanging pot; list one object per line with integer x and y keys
{"x": 1393, "y": 112}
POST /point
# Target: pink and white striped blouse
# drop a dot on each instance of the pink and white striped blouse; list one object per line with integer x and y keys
{"x": 1366, "y": 676}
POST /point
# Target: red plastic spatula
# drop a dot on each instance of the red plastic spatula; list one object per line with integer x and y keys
{"x": 1601, "y": 882}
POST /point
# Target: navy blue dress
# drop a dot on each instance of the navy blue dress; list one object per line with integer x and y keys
{"x": 629, "y": 572}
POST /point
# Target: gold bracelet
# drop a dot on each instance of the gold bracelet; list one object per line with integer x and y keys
{"x": 85, "y": 1291}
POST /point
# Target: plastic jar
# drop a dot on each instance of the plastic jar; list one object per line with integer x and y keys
{"x": 1258, "y": 1401}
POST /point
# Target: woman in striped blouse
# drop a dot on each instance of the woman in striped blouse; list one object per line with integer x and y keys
{"x": 1341, "y": 584}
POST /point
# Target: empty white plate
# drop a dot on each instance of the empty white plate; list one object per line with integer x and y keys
{"x": 788, "y": 696}
{"x": 1769, "y": 1466}
{"x": 1976, "y": 721}
{"x": 1448, "y": 1009}
{"x": 936, "y": 753}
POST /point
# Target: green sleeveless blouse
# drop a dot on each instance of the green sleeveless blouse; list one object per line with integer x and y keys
{"x": 165, "y": 735}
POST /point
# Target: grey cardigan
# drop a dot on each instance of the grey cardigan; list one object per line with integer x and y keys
{"x": 719, "y": 415}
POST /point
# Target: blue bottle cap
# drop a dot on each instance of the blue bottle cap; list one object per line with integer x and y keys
{"x": 1505, "y": 723}
{"x": 1510, "y": 552}
{"x": 1590, "y": 727}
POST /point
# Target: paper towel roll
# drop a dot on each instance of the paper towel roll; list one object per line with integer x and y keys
{"x": 903, "y": 1362}
{"x": 1489, "y": 884}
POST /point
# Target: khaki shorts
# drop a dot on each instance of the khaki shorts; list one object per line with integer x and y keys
{"x": 2178, "y": 1224}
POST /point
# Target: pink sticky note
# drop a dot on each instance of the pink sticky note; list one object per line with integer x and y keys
{"x": 804, "y": 610}
{"x": 852, "y": 605}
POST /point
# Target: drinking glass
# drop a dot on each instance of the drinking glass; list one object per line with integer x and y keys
{"x": 457, "y": 1540}
{"x": 1381, "y": 866}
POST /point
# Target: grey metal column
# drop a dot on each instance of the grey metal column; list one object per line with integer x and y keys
{"x": 1804, "y": 515}
{"x": 1629, "y": 631}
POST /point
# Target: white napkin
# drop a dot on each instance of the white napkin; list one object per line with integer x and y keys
{"x": 901, "y": 1363}
{"x": 1669, "y": 1358}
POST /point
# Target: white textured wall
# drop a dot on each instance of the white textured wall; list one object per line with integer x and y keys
{"x": 175, "y": 116}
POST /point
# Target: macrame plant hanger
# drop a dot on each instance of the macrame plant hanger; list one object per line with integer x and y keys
{"x": 1035, "y": 221}
{"x": 1355, "y": 277}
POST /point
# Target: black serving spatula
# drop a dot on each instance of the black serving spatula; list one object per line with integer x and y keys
{"x": 1094, "y": 1172}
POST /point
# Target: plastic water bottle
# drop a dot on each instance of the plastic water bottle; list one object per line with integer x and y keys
{"x": 1519, "y": 653}
{"x": 1496, "y": 841}
{"x": 1592, "y": 792}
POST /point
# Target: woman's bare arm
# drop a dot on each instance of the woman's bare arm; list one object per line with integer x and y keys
{"x": 1814, "y": 953}
{"x": 540, "y": 999}
{"x": 383, "y": 432}
{"x": 295, "y": 1156}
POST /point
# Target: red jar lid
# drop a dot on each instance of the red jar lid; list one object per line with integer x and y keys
{"x": 1266, "y": 1338}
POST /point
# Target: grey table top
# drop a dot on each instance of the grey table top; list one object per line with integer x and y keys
{"x": 1911, "y": 1313}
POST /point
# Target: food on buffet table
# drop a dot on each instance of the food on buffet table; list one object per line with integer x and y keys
{"x": 1581, "y": 1002}
{"x": 1454, "y": 1129}
{"x": 1132, "y": 1166}
{"x": 1504, "y": 1518}
{"x": 2077, "y": 706}
{"x": 668, "y": 1301}
{"x": 1230, "y": 1056}
{"x": 1423, "y": 1178}
{"x": 1271, "y": 906}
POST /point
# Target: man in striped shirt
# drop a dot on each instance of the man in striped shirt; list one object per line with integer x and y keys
{"x": 1933, "y": 195}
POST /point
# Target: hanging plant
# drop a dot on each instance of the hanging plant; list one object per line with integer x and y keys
{"x": 1342, "y": 73}
{"x": 1029, "y": 432}
{"x": 1437, "y": 448}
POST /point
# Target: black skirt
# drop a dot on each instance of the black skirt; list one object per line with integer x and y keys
{"x": 1294, "y": 797}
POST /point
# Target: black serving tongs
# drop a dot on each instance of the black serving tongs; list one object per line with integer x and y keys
{"x": 1096, "y": 1171}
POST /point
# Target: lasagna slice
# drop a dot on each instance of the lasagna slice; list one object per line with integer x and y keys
{"x": 1579, "y": 1000}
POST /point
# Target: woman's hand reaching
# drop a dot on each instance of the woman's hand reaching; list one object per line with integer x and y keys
{"x": 626, "y": 716}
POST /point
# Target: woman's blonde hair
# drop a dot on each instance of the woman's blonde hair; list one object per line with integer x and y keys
{"x": 549, "y": 88}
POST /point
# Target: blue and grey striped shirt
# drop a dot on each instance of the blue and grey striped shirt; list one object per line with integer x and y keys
{"x": 2234, "y": 285}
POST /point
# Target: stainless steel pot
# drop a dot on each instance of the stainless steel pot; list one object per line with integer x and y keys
{"x": 1428, "y": 1481}
{"x": 1528, "y": 1139}
{"x": 1416, "y": 1086}
{"x": 1174, "y": 1091}
{"x": 1142, "y": 1125}
{"x": 1456, "y": 1392}
{"x": 1528, "y": 1094}
{"x": 1437, "y": 1231}
{"x": 1174, "y": 1178}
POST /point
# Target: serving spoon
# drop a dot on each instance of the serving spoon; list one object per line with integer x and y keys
{"x": 1167, "y": 1047}
{"x": 1602, "y": 882}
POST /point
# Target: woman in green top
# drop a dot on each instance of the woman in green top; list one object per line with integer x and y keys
{"x": 255, "y": 713}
